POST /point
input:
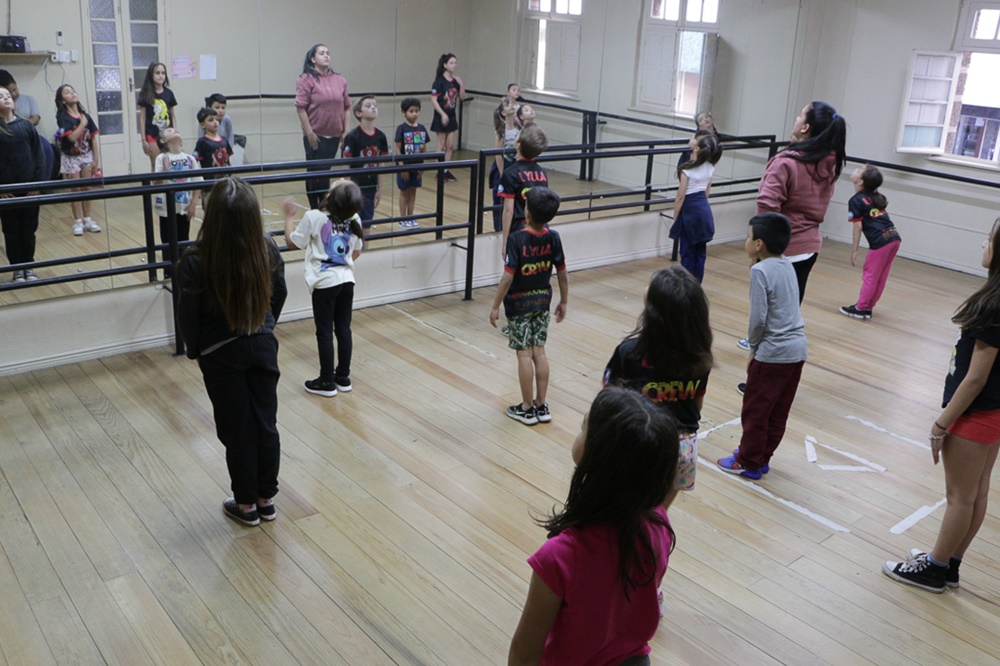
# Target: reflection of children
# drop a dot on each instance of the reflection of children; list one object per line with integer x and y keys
{"x": 172, "y": 159}
{"x": 592, "y": 598}
{"x": 366, "y": 140}
{"x": 525, "y": 290}
{"x": 81, "y": 153}
{"x": 332, "y": 238}
{"x": 867, "y": 211}
{"x": 411, "y": 139}
{"x": 693, "y": 221}
{"x": 520, "y": 177}
{"x": 212, "y": 149}
{"x": 446, "y": 92}
{"x": 217, "y": 102}
{"x": 156, "y": 108}
{"x": 21, "y": 161}
{"x": 668, "y": 357}
{"x": 778, "y": 347}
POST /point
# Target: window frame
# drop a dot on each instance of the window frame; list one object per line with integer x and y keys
{"x": 963, "y": 31}
{"x": 531, "y": 48}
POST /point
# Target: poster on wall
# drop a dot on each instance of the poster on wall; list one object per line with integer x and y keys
{"x": 207, "y": 64}
{"x": 183, "y": 67}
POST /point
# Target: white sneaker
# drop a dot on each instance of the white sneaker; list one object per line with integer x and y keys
{"x": 29, "y": 275}
{"x": 91, "y": 226}
{"x": 78, "y": 228}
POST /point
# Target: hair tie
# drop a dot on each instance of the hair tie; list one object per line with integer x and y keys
{"x": 835, "y": 116}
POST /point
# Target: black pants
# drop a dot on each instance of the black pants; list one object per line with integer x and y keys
{"x": 802, "y": 269}
{"x": 183, "y": 234}
{"x": 317, "y": 188}
{"x": 241, "y": 378}
{"x": 332, "y": 311}
{"x": 19, "y": 227}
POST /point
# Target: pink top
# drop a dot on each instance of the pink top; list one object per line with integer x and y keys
{"x": 325, "y": 100}
{"x": 596, "y": 625}
{"x": 790, "y": 187}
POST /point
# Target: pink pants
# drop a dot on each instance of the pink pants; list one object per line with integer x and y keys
{"x": 876, "y": 274}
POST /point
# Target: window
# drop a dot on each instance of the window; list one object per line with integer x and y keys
{"x": 676, "y": 59}
{"x": 952, "y": 104}
{"x": 552, "y": 39}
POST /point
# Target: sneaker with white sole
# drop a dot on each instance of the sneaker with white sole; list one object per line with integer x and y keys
{"x": 525, "y": 416}
{"x": 743, "y": 344}
{"x": 30, "y": 275}
{"x": 78, "y": 228}
{"x": 542, "y": 413}
{"x": 319, "y": 387}
{"x": 853, "y": 311}
{"x": 18, "y": 276}
{"x": 267, "y": 512}
{"x": 741, "y": 388}
{"x": 232, "y": 510}
{"x": 91, "y": 226}
{"x": 918, "y": 572}
{"x": 343, "y": 385}
{"x": 950, "y": 578}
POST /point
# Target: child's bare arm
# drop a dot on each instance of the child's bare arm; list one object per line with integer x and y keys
{"x": 563, "y": 280}
{"x": 288, "y": 208}
{"x": 506, "y": 280}
{"x": 508, "y": 218}
{"x": 541, "y": 609}
{"x": 856, "y": 241}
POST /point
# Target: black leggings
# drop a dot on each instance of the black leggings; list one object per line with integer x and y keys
{"x": 19, "y": 227}
{"x": 317, "y": 188}
{"x": 332, "y": 311}
{"x": 802, "y": 269}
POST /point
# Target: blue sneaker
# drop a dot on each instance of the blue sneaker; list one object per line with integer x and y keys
{"x": 730, "y": 466}
{"x": 763, "y": 470}
{"x": 743, "y": 344}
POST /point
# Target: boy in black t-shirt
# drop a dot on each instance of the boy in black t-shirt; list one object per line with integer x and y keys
{"x": 518, "y": 179}
{"x": 211, "y": 150}
{"x": 411, "y": 139}
{"x": 366, "y": 140}
{"x": 526, "y": 293}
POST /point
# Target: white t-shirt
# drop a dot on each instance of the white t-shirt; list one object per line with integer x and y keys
{"x": 329, "y": 248}
{"x": 175, "y": 162}
{"x": 699, "y": 177}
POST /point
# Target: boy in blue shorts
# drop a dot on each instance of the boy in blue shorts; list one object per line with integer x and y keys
{"x": 411, "y": 139}
{"x": 526, "y": 293}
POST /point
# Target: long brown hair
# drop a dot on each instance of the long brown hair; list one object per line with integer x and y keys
{"x": 235, "y": 259}
{"x": 982, "y": 309}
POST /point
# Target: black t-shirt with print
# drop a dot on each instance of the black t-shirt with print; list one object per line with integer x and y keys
{"x": 875, "y": 223}
{"x": 677, "y": 393}
{"x": 67, "y": 124}
{"x": 531, "y": 256}
{"x": 158, "y": 113}
{"x": 515, "y": 182}
{"x": 447, "y": 93}
{"x": 359, "y": 143}
{"x": 961, "y": 358}
{"x": 212, "y": 153}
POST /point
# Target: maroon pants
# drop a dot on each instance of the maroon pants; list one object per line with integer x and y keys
{"x": 766, "y": 402}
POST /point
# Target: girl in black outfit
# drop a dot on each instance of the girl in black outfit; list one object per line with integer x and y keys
{"x": 21, "y": 161}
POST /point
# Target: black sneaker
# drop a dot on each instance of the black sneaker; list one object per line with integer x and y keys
{"x": 741, "y": 387}
{"x": 232, "y": 509}
{"x": 450, "y": 177}
{"x": 319, "y": 387}
{"x": 919, "y": 572}
{"x": 267, "y": 511}
{"x": 343, "y": 385}
{"x": 853, "y": 311}
{"x": 950, "y": 578}
{"x": 542, "y": 413}
{"x": 525, "y": 416}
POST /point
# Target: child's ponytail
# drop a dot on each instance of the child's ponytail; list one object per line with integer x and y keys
{"x": 871, "y": 180}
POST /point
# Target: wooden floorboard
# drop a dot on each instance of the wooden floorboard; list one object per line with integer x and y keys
{"x": 406, "y": 506}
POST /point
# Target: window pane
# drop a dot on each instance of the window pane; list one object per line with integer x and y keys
{"x": 939, "y": 66}
{"x": 922, "y": 136}
{"x": 656, "y": 9}
{"x": 533, "y": 5}
{"x": 102, "y": 9}
{"x": 110, "y": 123}
{"x": 930, "y": 90}
{"x": 691, "y": 48}
{"x": 985, "y": 26}
{"x": 144, "y": 33}
{"x": 142, "y": 10}
{"x": 108, "y": 78}
{"x": 672, "y": 10}
{"x": 576, "y": 7}
{"x": 138, "y": 76}
{"x": 562, "y": 6}
{"x": 711, "y": 11}
{"x": 109, "y": 101}
{"x": 694, "y": 10}
{"x": 545, "y": 5}
{"x": 925, "y": 114}
{"x": 103, "y": 31}
{"x": 142, "y": 56}
{"x": 105, "y": 54}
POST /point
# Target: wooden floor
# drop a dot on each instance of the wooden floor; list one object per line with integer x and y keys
{"x": 405, "y": 505}
{"x": 123, "y": 228}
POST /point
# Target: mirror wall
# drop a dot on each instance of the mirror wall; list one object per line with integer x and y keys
{"x": 641, "y": 69}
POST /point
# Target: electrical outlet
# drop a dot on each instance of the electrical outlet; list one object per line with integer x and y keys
{"x": 74, "y": 55}
{"x": 63, "y": 56}
{"x": 54, "y": 57}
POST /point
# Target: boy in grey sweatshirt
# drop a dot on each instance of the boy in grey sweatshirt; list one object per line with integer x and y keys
{"x": 778, "y": 347}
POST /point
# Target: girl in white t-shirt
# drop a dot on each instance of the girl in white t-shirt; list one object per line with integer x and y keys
{"x": 693, "y": 223}
{"x": 332, "y": 238}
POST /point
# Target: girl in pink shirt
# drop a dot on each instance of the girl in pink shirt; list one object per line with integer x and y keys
{"x": 592, "y": 599}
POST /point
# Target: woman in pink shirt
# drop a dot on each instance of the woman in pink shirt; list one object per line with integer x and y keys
{"x": 798, "y": 182}
{"x": 592, "y": 599}
{"x": 323, "y": 105}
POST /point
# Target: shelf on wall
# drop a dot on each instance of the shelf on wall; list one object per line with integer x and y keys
{"x": 35, "y": 57}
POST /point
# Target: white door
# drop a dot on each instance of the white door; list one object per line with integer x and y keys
{"x": 124, "y": 38}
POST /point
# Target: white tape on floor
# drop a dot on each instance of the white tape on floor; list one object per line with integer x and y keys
{"x": 915, "y": 518}
{"x": 869, "y": 424}
{"x": 845, "y": 468}
{"x": 810, "y": 449}
{"x": 704, "y": 433}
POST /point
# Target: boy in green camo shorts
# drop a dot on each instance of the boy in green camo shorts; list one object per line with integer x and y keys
{"x": 526, "y": 292}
